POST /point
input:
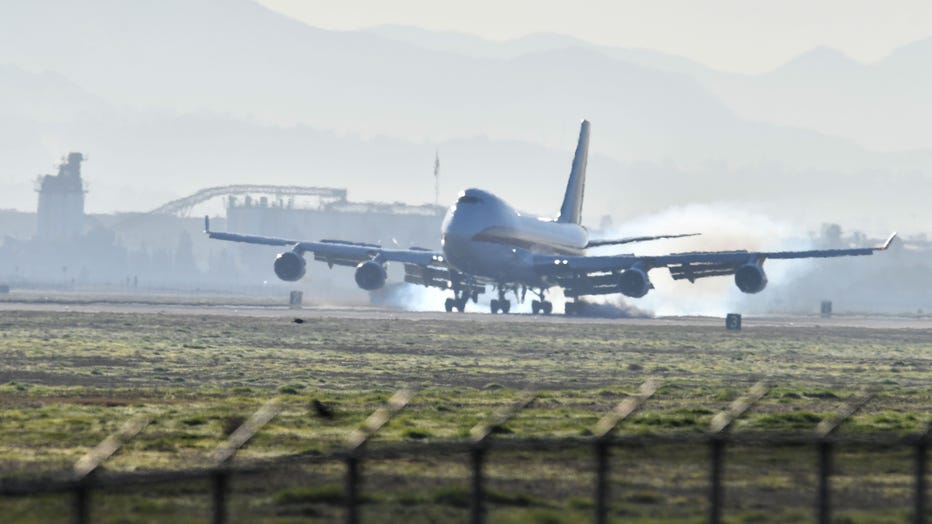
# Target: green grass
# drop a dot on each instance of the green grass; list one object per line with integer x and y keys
{"x": 71, "y": 379}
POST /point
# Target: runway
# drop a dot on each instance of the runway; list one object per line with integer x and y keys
{"x": 272, "y": 307}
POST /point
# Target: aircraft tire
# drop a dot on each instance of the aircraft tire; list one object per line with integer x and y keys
{"x": 506, "y": 306}
{"x": 569, "y": 309}
{"x": 448, "y": 305}
{"x": 461, "y": 305}
{"x": 493, "y": 306}
{"x": 546, "y": 307}
{"x": 535, "y": 307}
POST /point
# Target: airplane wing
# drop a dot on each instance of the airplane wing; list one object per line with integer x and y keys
{"x": 422, "y": 266}
{"x": 627, "y": 274}
{"x": 336, "y": 252}
{"x": 631, "y": 240}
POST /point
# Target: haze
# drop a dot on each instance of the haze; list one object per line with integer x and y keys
{"x": 173, "y": 96}
{"x": 734, "y": 35}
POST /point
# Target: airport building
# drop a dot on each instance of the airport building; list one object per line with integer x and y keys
{"x": 60, "y": 246}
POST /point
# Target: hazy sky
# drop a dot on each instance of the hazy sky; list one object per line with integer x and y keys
{"x": 735, "y": 35}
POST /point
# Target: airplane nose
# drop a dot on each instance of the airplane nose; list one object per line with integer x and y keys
{"x": 455, "y": 234}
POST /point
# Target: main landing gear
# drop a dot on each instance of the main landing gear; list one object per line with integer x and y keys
{"x": 541, "y": 306}
{"x": 574, "y": 308}
{"x": 459, "y": 300}
{"x": 501, "y": 304}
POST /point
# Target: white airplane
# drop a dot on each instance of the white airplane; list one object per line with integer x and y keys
{"x": 485, "y": 242}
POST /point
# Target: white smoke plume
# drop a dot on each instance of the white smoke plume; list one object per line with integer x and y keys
{"x": 723, "y": 227}
{"x": 410, "y": 297}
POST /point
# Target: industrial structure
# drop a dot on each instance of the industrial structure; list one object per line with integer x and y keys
{"x": 61, "y": 246}
{"x": 316, "y": 213}
{"x": 376, "y": 222}
{"x": 61, "y": 202}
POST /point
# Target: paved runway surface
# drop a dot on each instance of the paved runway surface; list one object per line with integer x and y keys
{"x": 271, "y": 307}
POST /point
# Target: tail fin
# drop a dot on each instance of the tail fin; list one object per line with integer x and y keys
{"x": 571, "y": 211}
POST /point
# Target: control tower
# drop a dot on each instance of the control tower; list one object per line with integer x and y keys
{"x": 61, "y": 201}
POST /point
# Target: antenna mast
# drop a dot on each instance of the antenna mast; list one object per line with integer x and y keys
{"x": 436, "y": 178}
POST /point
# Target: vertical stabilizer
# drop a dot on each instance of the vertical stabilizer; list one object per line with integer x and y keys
{"x": 571, "y": 211}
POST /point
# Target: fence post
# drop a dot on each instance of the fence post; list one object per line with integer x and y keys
{"x": 825, "y": 472}
{"x": 477, "y": 456}
{"x": 601, "y": 480}
{"x": 219, "y": 493}
{"x": 718, "y": 437}
{"x": 356, "y": 441}
{"x": 480, "y": 435}
{"x": 824, "y": 431}
{"x": 81, "y": 511}
{"x": 603, "y": 432}
{"x": 84, "y": 468}
{"x": 224, "y": 453}
{"x": 922, "y": 458}
{"x": 352, "y": 488}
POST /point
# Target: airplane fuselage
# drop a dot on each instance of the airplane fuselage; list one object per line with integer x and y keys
{"x": 484, "y": 236}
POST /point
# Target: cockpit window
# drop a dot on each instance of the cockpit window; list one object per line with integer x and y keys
{"x": 466, "y": 199}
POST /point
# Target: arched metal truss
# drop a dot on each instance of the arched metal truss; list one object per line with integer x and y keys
{"x": 182, "y": 206}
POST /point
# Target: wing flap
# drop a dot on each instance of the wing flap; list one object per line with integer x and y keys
{"x": 692, "y": 272}
{"x": 590, "y": 284}
{"x": 430, "y": 276}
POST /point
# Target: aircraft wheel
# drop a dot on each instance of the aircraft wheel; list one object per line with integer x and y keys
{"x": 535, "y": 307}
{"x": 448, "y": 305}
{"x": 461, "y": 305}
{"x": 506, "y": 306}
{"x": 493, "y": 306}
{"x": 546, "y": 307}
{"x": 570, "y": 309}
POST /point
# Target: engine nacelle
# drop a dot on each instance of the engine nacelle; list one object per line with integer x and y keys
{"x": 370, "y": 275}
{"x": 634, "y": 283}
{"x": 290, "y": 266}
{"x": 750, "y": 278}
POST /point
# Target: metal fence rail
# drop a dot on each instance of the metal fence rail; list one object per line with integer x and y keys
{"x": 86, "y": 478}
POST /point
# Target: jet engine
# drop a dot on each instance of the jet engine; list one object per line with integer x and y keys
{"x": 290, "y": 266}
{"x": 634, "y": 283}
{"x": 750, "y": 278}
{"x": 370, "y": 275}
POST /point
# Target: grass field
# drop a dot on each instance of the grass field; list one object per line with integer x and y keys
{"x": 68, "y": 379}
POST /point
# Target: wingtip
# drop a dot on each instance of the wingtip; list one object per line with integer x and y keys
{"x": 888, "y": 242}
{"x": 207, "y": 224}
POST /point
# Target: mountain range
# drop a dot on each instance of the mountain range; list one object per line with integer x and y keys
{"x": 171, "y": 96}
